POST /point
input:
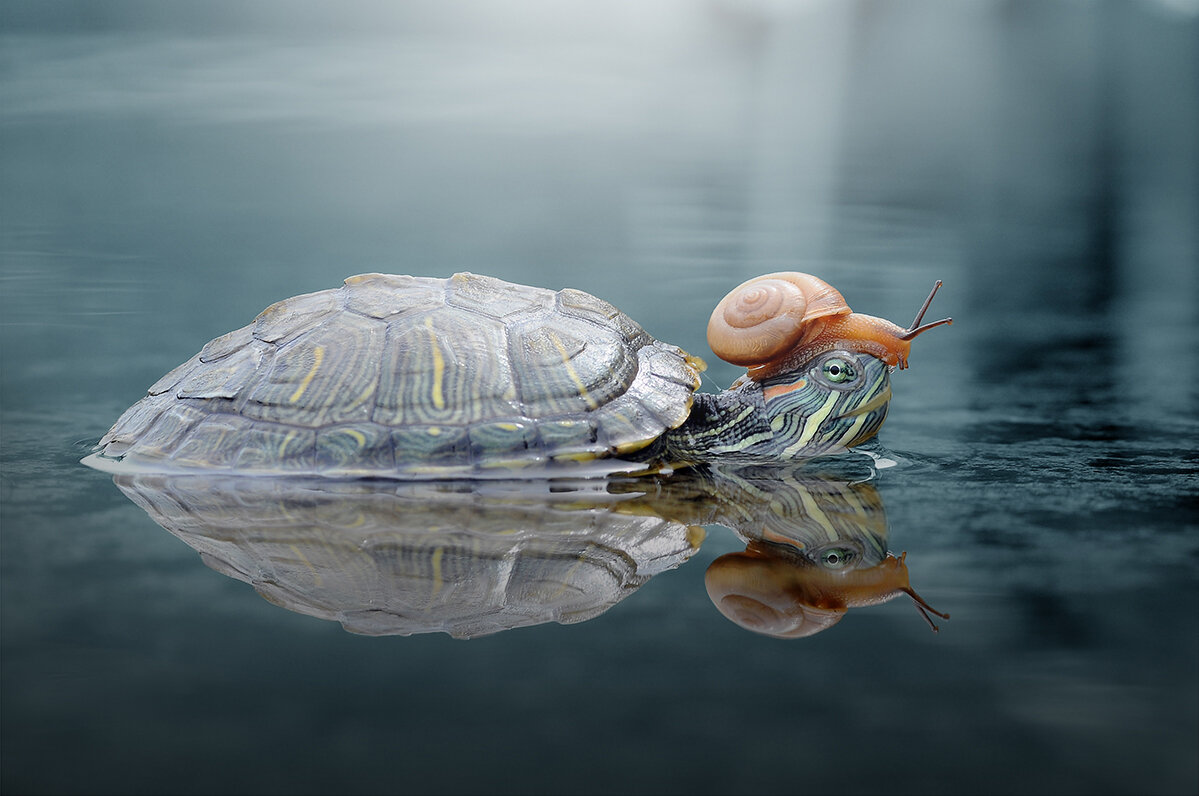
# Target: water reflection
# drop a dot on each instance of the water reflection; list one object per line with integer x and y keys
{"x": 475, "y": 558}
{"x": 818, "y": 549}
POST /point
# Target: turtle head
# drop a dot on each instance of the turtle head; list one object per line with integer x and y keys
{"x": 837, "y": 400}
{"x": 824, "y": 370}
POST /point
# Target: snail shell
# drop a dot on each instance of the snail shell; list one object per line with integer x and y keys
{"x": 768, "y": 317}
{"x": 771, "y": 595}
{"x": 777, "y": 322}
{"x": 764, "y": 594}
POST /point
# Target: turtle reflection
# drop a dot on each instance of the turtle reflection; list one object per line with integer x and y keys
{"x": 398, "y": 558}
{"x": 474, "y": 558}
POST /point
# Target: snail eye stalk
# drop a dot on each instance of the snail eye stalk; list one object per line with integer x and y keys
{"x": 916, "y": 328}
{"x": 924, "y": 608}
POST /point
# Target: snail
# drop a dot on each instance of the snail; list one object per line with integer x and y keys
{"x": 774, "y": 322}
{"x": 774, "y": 595}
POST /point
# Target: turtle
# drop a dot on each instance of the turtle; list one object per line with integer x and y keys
{"x": 471, "y": 376}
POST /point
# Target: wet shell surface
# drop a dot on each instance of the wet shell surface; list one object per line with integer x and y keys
{"x": 411, "y": 377}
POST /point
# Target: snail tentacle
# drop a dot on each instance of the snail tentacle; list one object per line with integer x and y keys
{"x": 916, "y": 328}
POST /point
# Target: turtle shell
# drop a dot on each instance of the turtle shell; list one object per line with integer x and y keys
{"x": 412, "y": 377}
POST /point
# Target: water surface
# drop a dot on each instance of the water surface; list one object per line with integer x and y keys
{"x": 167, "y": 174}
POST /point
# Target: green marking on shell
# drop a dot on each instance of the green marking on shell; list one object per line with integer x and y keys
{"x": 354, "y": 449}
{"x": 274, "y": 448}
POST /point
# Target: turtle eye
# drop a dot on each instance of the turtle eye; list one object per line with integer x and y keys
{"x": 836, "y": 557}
{"x": 838, "y": 371}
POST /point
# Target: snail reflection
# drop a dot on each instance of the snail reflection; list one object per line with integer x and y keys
{"x": 472, "y": 558}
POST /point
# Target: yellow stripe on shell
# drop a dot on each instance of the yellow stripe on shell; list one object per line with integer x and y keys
{"x": 507, "y": 464}
{"x": 567, "y": 579}
{"x": 574, "y": 374}
{"x": 316, "y": 575}
{"x": 437, "y": 580}
{"x": 318, "y": 354}
{"x": 358, "y": 436}
{"x": 287, "y": 438}
{"x": 438, "y": 366}
{"x": 366, "y": 395}
{"x": 632, "y": 447}
{"x": 584, "y": 456}
{"x": 438, "y": 470}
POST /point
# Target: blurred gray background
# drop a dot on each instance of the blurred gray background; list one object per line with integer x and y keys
{"x": 167, "y": 170}
{"x": 1039, "y": 156}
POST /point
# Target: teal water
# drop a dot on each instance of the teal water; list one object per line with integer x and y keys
{"x": 166, "y": 174}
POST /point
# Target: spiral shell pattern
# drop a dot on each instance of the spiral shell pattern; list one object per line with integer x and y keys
{"x": 765, "y": 318}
